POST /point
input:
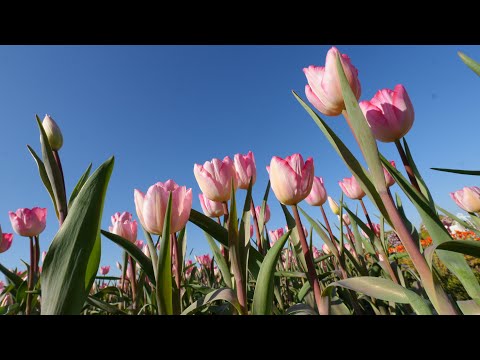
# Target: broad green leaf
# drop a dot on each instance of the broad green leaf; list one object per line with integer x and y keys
{"x": 321, "y": 258}
{"x": 456, "y": 263}
{"x": 361, "y": 174}
{"x": 463, "y": 172}
{"x": 52, "y": 170}
{"x": 263, "y": 295}
{"x": 79, "y": 185}
{"x": 218, "y": 294}
{"x": 472, "y": 64}
{"x": 65, "y": 266}
{"x": 469, "y": 307}
{"x": 222, "y": 265}
{"x": 93, "y": 263}
{"x": 383, "y": 289}
{"x": 300, "y": 309}
{"x": 411, "y": 229}
{"x": 289, "y": 274}
{"x": 44, "y": 176}
{"x": 143, "y": 261}
{"x": 102, "y": 305}
{"x": 467, "y": 247}
{"x": 164, "y": 271}
{"x": 217, "y": 231}
{"x": 14, "y": 278}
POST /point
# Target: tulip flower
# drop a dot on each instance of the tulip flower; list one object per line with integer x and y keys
{"x": 151, "y": 207}
{"x": 124, "y": 226}
{"x": 333, "y": 206}
{"x": 376, "y": 230}
{"x": 28, "y": 222}
{"x": 291, "y": 178}
{"x": 104, "y": 270}
{"x": 318, "y": 194}
{"x": 274, "y": 235}
{"x": 146, "y": 251}
{"x": 323, "y": 90}
{"x": 215, "y": 177}
{"x": 211, "y": 208}
{"x": 188, "y": 268}
{"x": 346, "y": 219}
{"x": 258, "y": 210}
{"x": 139, "y": 244}
{"x": 351, "y": 188}
{"x": 5, "y": 241}
{"x": 52, "y": 130}
{"x": 389, "y": 180}
{"x": 2, "y": 286}
{"x": 348, "y": 247}
{"x": 389, "y": 113}
{"x": 468, "y": 198}
{"x": 245, "y": 169}
{"x": 204, "y": 260}
{"x": 316, "y": 253}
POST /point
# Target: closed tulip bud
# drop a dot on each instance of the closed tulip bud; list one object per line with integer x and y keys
{"x": 389, "y": 180}
{"x": 390, "y": 114}
{"x": 245, "y": 168}
{"x": 258, "y": 210}
{"x": 104, "y": 270}
{"x": 346, "y": 219}
{"x": 124, "y": 226}
{"x": 291, "y": 178}
{"x": 5, "y": 241}
{"x": 326, "y": 249}
{"x": 211, "y": 208}
{"x": 468, "y": 198}
{"x": 333, "y": 206}
{"x": 28, "y": 222}
{"x": 318, "y": 195}
{"x": 54, "y": 135}
{"x": 316, "y": 253}
{"x": 151, "y": 207}
{"x": 274, "y": 235}
{"x": 323, "y": 90}
{"x": 351, "y": 188}
{"x": 2, "y": 286}
{"x": 139, "y": 244}
{"x": 215, "y": 178}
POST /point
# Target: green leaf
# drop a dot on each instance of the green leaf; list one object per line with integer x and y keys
{"x": 411, "y": 229}
{"x": 133, "y": 250}
{"x": 463, "y": 172}
{"x": 79, "y": 185}
{"x": 263, "y": 295}
{"x": 14, "y": 278}
{"x": 290, "y": 274}
{"x": 321, "y": 258}
{"x": 294, "y": 235}
{"x": 461, "y": 222}
{"x": 219, "y": 294}
{"x": 360, "y": 173}
{"x": 93, "y": 263}
{"x": 222, "y": 265}
{"x": 217, "y": 231}
{"x": 472, "y": 64}
{"x": 300, "y": 309}
{"x": 52, "y": 170}
{"x": 456, "y": 263}
{"x": 164, "y": 270}
{"x": 383, "y": 289}
{"x": 102, "y": 305}
{"x": 65, "y": 266}
{"x": 44, "y": 176}
{"x": 467, "y": 247}
{"x": 469, "y": 307}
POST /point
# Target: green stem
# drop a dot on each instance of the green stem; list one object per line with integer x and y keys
{"x": 408, "y": 168}
{"x": 257, "y": 229}
{"x": 61, "y": 203}
{"x": 31, "y": 269}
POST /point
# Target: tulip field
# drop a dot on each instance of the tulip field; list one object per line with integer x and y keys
{"x": 370, "y": 262}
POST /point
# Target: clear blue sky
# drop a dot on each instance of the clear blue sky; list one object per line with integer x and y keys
{"x": 160, "y": 109}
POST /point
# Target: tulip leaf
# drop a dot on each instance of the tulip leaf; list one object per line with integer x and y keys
{"x": 456, "y": 263}
{"x": 102, "y": 305}
{"x": 383, "y": 289}
{"x": 164, "y": 271}
{"x": 79, "y": 185}
{"x": 215, "y": 295}
{"x": 300, "y": 309}
{"x": 289, "y": 274}
{"x": 65, "y": 265}
{"x": 143, "y": 261}
{"x": 263, "y": 295}
{"x": 222, "y": 264}
{"x": 461, "y": 222}
{"x": 44, "y": 177}
{"x": 14, "y": 278}
{"x": 217, "y": 231}
{"x": 472, "y": 64}
{"x": 321, "y": 258}
{"x": 467, "y": 247}
{"x": 469, "y": 307}
{"x": 463, "y": 172}
{"x": 294, "y": 235}
{"x": 93, "y": 263}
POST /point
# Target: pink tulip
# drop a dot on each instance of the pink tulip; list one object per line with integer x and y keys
{"x": 188, "y": 270}
{"x": 318, "y": 195}
{"x": 28, "y": 222}
{"x": 326, "y": 249}
{"x": 124, "y": 226}
{"x": 324, "y": 90}
{"x": 2, "y": 286}
{"x": 258, "y": 210}
{"x": 5, "y": 241}
{"x": 104, "y": 270}
{"x": 146, "y": 251}
{"x": 351, "y": 188}
{"x": 468, "y": 198}
{"x": 389, "y": 180}
{"x": 204, "y": 260}
{"x": 211, "y": 208}
{"x": 44, "y": 254}
{"x": 346, "y": 219}
{"x": 151, "y": 207}
{"x": 316, "y": 253}
{"x": 376, "y": 230}
{"x": 291, "y": 178}
{"x": 214, "y": 178}
{"x": 245, "y": 168}
{"x": 390, "y": 114}
{"x": 139, "y": 244}
{"x": 274, "y": 235}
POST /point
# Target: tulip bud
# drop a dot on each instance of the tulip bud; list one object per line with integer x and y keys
{"x": 468, "y": 198}
{"x": 351, "y": 188}
{"x": 333, "y": 206}
{"x": 258, "y": 210}
{"x": 104, "y": 270}
{"x": 54, "y": 135}
{"x": 318, "y": 195}
{"x": 346, "y": 219}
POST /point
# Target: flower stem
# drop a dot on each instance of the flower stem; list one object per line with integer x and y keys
{"x": 257, "y": 229}
{"x": 61, "y": 203}
{"x": 176, "y": 262}
{"x": 31, "y": 269}
{"x": 133, "y": 282}
{"x": 408, "y": 168}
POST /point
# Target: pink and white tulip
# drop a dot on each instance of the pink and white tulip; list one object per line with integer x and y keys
{"x": 211, "y": 208}
{"x": 104, "y": 270}
{"x": 28, "y": 222}
{"x": 258, "y": 210}
{"x": 124, "y": 226}
{"x": 389, "y": 180}
{"x": 316, "y": 253}
{"x": 204, "y": 260}
{"x": 323, "y": 90}
{"x": 215, "y": 178}
{"x": 245, "y": 169}
{"x": 390, "y": 114}
{"x": 5, "y": 241}
{"x": 318, "y": 194}
{"x": 351, "y": 188}
{"x": 467, "y": 198}
{"x": 152, "y": 206}
{"x": 291, "y": 178}
{"x": 139, "y": 244}
{"x": 274, "y": 235}
{"x": 346, "y": 219}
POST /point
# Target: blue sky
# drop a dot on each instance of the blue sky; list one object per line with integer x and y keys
{"x": 160, "y": 109}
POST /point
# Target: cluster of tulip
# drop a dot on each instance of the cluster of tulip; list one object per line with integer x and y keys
{"x": 253, "y": 269}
